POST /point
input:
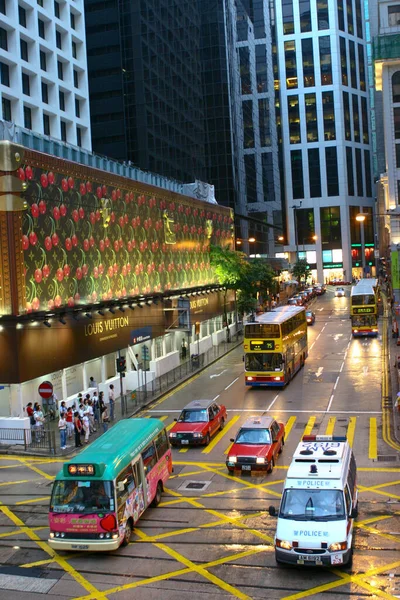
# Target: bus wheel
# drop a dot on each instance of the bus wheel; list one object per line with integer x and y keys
{"x": 128, "y": 533}
{"x": 157, "y": 497}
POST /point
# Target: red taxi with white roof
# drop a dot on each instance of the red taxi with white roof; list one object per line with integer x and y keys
{"x": 257, "y": 445}
{"x": 197, "y": 423}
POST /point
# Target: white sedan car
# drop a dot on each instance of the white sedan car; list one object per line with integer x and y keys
{"x": 339, "y": 292}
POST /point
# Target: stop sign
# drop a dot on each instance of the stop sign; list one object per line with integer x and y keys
{"x": 45, "y": 389}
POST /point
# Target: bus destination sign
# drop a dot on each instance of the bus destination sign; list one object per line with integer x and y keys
{"x": 262, "y": 345}
{"x": 363, "y": 310}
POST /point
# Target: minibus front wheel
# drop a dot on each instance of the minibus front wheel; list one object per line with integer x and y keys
{"x": 127, "y": 533}
{"x": 157, "y": 497}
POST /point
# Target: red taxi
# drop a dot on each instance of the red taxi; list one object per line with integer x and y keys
{"x": 256, "y": 446}
{"x": 197, "y": 423}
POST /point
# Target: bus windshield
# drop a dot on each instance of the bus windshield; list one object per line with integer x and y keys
{"x": 363, "y": 299}
{"x": 264, "y": 361}
{"x": 70, "y": 496}
{"x": 364, "y": 321}
{"x": 312, "y": 505}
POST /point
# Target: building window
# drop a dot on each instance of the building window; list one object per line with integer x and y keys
{"x": 261, "y": 68}
{"x": 248, "y": 134}
{"x": 21, "y": 16}
{"x": 356, "y": 118}
{"x": 329, "y": 116}
{"x": 56, "y": 9}
{"x": 73, "y": 45}
{"x": 394, "y": 15}
{"x": 46, "y": 124}
{"x": 77, "y": 108}
{"x": 360, "y": 187}
{"x": 290, "y": 63}
{"x": 3, "y": 39}
{"x": 27, "y": 117}
{"x": 263, "y": 122}
{"x": 346, "y": 116}
{"x": 398, "y": 156}
{"x": 353, "y": 69}
{"x": 72, "y": 15}
{"x": 251, "y": 177}
{"x": 3, "y": 7}
{"x": 325, "y": 60}
{"x": 314, "y": 173}
{"x": 58, "y": 39}
{"x": 311, "y": 117}
{"x": 268, "y": 176}
{"x": 63, "y": 127}
{"x": 343, "y": 61}
{"x": 308, "y": 62}
{"x": 330, "y": 226}
{"x": 296, "y": 160}
{"x": 294, "y": 119}
{"x": 258, "y": 19}
{"x": 5, "y": 74}
{"x": 24, "y": 50}
{"x": 305, "y": 15}
{"x": 364, "y": 116}
{"x": 332, "y": 177}
{"x": 304, "y": 223}
{"x": 60, "y": 70}
{"x": 396, "y": 115}
{"x": 340, "y": 15}
{"x": 323, "y": 14}
{"x": 43, "y": 61}
{"x": 368, "y": 181}
{"x": 26, "y": 87}
{"x": 78, "y": 137}
{"x": 361, "y": 67}
{"x": 287, "y": 17}
{"x": 359, "y": 19}
{"x": 350, "y": 171}
{"x": 6, "y": 107}
{"x": 61, "y": 98}
{"x": 41, "y": 29}
{"x": 245, "y": 78}
{"x": 350, "y": 24}
{"x": 396, "y": 87}
{"x": 40, "y": 3}
{"x": 45, "y": 93}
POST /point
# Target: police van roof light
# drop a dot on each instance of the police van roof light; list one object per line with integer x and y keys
{"x": 324, "y": 438}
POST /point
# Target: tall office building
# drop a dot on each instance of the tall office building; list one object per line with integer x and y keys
{"x": 325, "y": 108}
{"x": 186, "y": 89}
{"x": 43, "y": 72}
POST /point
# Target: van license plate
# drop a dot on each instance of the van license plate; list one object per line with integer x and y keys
{"x": 184, "y": 441}
{"x": 246, "y": 467}
{"x": 309, "y": 557}
{"x": 337, "y": 559}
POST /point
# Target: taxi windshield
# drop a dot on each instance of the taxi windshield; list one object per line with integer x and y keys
{"x": 312, "y": 505}
{"x": 70, "y": 496}
{"x": 253, "y": 436}
{"x": 193, "y": 416}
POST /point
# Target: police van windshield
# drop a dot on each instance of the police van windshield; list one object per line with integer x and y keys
{"x": 312, "y": 505}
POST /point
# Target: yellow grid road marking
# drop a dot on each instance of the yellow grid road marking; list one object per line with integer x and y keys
{"x": 309, "y": 426}
{"x": 288, "y": 426}
{"x": 331, "y": 426}
{"x": 32, "y": 500}
{"x": 17, "y": 531}
{"x": 373, "y": 439}
{"x": 221, "y": 434}
{"x": 170, "y": 426}
{"x": 183, "y": 450}
{"x": 351, "y": 428}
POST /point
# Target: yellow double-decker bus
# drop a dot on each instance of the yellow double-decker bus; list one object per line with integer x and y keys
{"x": 275, "y": 346}
{"x": 364, "y": 308}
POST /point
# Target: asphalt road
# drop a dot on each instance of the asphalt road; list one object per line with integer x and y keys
{"x": 211, "y": 536}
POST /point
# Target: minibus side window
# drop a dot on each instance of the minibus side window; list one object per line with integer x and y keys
{"x": 347, "y": 498}
{"x": 162, "y": 444}
{"x": 149, "y": 457}
{"x": 125, "y": 484}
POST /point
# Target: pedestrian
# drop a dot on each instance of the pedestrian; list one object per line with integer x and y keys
{"x": 62, "y": 426}
{"x": 111, "y": 400}
{"x": 63, "y": 409}
{"x": 77, "y": 429}
{"x": 69, "y": 417}
{"x": 81, "y": 410}
{"x": 36, "y": 406}
{"x": 395, "y": 329}
{"x": 105, "y": 418}
{"x": 30, "y": 413}
{"x": 96, "y": 408}
{"x": 93, "y": 383}
{"x": 39, "y": 422}
{"x": 86, "y": 427}
{"x": 184, "y": 349}
{"x": 90, "y": 414}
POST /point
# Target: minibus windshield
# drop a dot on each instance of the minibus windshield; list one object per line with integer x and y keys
{"x": 70, "y": 496}
{"x": 312, "y": 505}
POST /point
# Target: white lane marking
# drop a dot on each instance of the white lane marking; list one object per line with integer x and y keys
{"x": 319, "y": 372}
{"x": 319, "y": 335}
{"x": 231, "y": 383}
{"x": 217, "y": 374}
{"x": 214, "y": 399}
{"x": 336, "y": 382}
{"x": 307, "y": 412}
{"x": 365, "y": 370}
{"x": 341, "y": 368}
{"x": 337, "y": 336}
{"x": 311, "y": 347}
{"x": 273, "y": 402}
{"x": 320, "y": 309}
{"x": 345, "y": 355}
{"x": 323, "y": 328}
{"x": 330, "y": 402}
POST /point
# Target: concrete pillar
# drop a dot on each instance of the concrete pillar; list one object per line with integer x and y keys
{"x": 85, "y": 376}
{"x": 346, "y": 242}
{"x": 64, "y": 384}
{"x": 103, "y": 369}
{"x": 164, "y": 346}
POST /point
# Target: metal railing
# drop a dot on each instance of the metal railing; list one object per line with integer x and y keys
{"x": 30, "y": 439}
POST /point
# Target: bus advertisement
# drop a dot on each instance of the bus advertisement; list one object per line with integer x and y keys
{"x": 99, "y": 495}
{"x": 364, "y": 309}
{"x": 275, "y": 346}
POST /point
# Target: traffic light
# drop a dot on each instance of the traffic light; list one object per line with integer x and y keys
{"x": 121, "y": 365}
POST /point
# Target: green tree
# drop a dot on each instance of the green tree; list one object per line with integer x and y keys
{"x": 300, "y": 269}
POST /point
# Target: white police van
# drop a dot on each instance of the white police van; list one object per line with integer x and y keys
{"x": 318, "y": 505}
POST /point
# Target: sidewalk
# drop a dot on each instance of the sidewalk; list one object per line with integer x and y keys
{"x": 155, "y": 390}
{"x": 394, "y": 353}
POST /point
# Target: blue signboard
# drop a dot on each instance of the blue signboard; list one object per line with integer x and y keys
{"x": 141, "y": 335}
